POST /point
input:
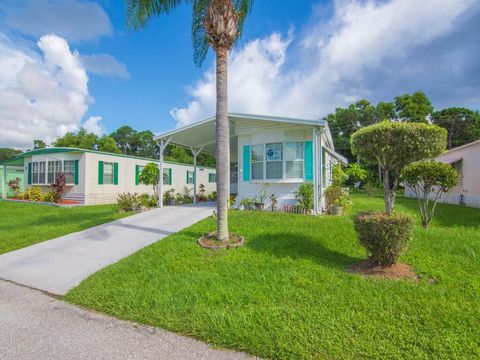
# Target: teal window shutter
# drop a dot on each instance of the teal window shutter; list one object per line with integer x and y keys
{"x": 100, "y": 173}
{"x": 308, "y": 160}
{"x": 29, "y": 173}
{"x": 137, "y": 174}
{"x": 75, "y": 174}
{"x": 115, "y": 173}
{"x": 246, "y": 162}
{"x": 169, "y": 176}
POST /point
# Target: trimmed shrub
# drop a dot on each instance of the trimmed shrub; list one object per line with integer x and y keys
{"x": 50, "y": 196}
{"x": 384, "y": 236}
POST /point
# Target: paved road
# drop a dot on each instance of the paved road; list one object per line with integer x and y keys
{"x": 36, "y": 326}
{"x": 60, "y": 264}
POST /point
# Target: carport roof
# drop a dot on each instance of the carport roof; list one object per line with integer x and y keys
{"x": 202, "y": 133}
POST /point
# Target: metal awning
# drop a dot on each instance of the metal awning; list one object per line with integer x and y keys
{"x": 202, "y": 134}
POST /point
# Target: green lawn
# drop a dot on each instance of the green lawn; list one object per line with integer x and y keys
{"x": 286, "y": 295}
{"x": 23, "y": 224}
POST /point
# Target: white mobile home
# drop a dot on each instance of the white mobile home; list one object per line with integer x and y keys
{"x": 280, "y": 151}
{"x": 95, "y": 177}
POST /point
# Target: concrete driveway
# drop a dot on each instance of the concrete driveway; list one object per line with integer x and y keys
{"x": 36, "y": 326}
{"x": 60, "y": 264}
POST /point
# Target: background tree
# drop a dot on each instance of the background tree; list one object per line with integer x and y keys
{"x": 216, "y": 24}
{"x": 463, "y": 125}
{"x": 125, "y": 137}
{"x": 415, "y": 107}
{"x": 429, "y": 180}
{"x": 107, "y": 144}
{"x": 39, "y": 144}
{"x": 8, "y": 153}
{"x": 395, "y": 145}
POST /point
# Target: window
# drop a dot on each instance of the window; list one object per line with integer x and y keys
{"x": 55, "y": 168}
{"x": 257, "y": 157}
{"x": 294, "y": 160}
{"x": 107, "y": 173}
{"x": 69, "y": 171}
{"x": 212, "y": 177}
{"x": 274, "y": 161}
{"x": 189, "y": 177}
{"x": 167, "y": 176}
{"x": 38, "y": 172}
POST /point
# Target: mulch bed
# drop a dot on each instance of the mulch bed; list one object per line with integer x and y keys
{"x": 210, "y": 241}
{"x": 395, "y": 272}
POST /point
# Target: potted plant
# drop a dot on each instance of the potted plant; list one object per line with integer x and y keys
{"x": 341, "y": 204}
{"x": 262, "y": 196}
{"x": 246, "y": 204}
{"x": 273, "y": 202}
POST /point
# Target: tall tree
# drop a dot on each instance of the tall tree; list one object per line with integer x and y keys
{"x": 107, "y": 144}
{"x": 216, "y": 24}
{"x": 414, "y": 107}
{"x": 8, "y": 153}
{"x": 463, "y": 125}
{"x": 125, "y": 138}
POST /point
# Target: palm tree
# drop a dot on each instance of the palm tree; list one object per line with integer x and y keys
{"x": 215, "y": 23}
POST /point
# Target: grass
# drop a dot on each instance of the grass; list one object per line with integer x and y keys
{"x": 285, "y": 294}
{"x": 23, "y": 224}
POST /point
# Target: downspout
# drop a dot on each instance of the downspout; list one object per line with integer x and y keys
{"x": 194, "y": 176}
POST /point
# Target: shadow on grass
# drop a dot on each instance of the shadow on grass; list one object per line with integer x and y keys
{"x": 299, "y": 247}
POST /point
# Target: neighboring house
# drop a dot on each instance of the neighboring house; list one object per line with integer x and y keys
{"x": 95, "y": 177}
{"x": 466, "y": 160}
{"x": 280, "y": 151}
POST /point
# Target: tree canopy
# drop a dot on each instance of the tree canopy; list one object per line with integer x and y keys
{"x": 394, "y": 145}
{"x": 429, "y": 180}
{"x": 8, "y": 153}
{"x": 463, "y": 125}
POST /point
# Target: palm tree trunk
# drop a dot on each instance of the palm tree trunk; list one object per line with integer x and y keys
{"x": 223, "y": 144}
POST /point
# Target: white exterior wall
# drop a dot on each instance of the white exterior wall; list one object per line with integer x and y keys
{"x": 254, "y": 133}
{"x": 107, "y": 193}
{"x": 469, "y": 184}
{"x": 72, "y": 191}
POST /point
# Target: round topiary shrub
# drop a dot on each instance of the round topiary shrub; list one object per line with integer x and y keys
{"x": 384, "y": 236}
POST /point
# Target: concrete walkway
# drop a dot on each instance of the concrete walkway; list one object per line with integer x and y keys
{"x": 36, "y": 326}
{"x": 60, "y": 264}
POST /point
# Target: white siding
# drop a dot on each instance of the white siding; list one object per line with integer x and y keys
{"x": 253, "y": 133}
{"x": 104, "y": 194}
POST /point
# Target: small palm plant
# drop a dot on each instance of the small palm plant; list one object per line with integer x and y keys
{"x": 216, "y": 24}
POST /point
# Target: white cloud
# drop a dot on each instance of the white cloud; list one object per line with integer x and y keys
{"x": 104, "y": 65}
{"x": 93, "y": 125}
{"x": 72, "y": 19}
{"x": 328, "y": 65}
{"x": 41, "y": 95}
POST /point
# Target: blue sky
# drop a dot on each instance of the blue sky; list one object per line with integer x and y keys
{"x": 71, "y": 63}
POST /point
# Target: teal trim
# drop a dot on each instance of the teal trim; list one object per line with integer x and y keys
{"x": 308, "y": 160}
{"x": 100, "y": 173}
{"x": 115, "y": 173}
{"x": 75, "y": 175}
{"x": 137, "y": 174}
{"x": 29, "y": 173}
{"x": 246, "y": 163}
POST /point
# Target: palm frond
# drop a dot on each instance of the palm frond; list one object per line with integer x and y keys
{"x": 140, "y": 11}
{"x": 243, "y": 8}
{"x": 199, "y": 37}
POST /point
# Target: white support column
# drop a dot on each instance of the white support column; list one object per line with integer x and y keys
{"x": 315, "y": 172}
{"x": 4, "y": 182}
{"x": 320, "y": 169}
{"x": 160, "y": 176}
{"x": 195, "y": 153}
